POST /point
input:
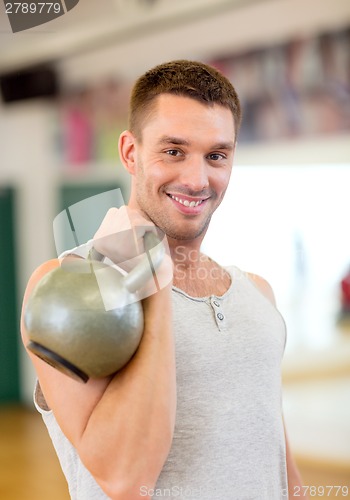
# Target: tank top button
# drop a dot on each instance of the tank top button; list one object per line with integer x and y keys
{"x": 220, "y": 316}
{"x": 216, "y": 303}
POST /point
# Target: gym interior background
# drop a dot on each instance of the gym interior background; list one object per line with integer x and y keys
{"x": 64, "y": 91}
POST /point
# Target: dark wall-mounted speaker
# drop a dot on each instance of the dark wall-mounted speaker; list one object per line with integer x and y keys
{"x": 29, "y": 83}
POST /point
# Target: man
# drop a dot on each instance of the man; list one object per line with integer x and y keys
{"x": 197, "y": 411}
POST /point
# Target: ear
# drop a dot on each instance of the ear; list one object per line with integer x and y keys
{"x": 127, "y": 151}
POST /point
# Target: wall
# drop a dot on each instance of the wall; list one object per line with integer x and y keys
{"x": 27, "y": 159}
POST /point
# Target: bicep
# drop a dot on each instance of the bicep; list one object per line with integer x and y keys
{"x": 71, "y": 401}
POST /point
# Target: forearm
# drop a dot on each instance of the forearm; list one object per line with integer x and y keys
{"x": 129, "y": 433}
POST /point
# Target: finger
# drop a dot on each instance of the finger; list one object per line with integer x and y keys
{"x": 111, "y": 223}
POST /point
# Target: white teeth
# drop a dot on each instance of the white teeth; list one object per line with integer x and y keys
{"x": 186, "y": 202}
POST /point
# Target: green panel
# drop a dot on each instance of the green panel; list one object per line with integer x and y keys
{"x": 9, "y": 321}
{"x": 72, "y": 193}
{"x": 85, "y": 212}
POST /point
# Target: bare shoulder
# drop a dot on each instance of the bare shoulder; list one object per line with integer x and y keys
{"x": 262, "y": 285}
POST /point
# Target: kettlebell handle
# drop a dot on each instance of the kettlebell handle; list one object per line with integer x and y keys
{"x": 143, "y": 271}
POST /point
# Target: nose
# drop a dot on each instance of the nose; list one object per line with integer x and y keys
{"x": 194, "y": 173}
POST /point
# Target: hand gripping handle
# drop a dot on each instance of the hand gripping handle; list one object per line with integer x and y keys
{"x": 141, "y": 273}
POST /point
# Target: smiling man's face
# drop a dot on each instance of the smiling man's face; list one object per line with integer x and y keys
{"x": 183, "y": 164}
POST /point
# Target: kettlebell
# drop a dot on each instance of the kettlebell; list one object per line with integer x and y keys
{"x": 84, "y": 317}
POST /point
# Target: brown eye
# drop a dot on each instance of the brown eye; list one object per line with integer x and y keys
{"x": 216, "y": 156}
{"x": 173, "y": 152}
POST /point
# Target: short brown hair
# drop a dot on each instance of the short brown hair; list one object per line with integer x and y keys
{"x": 184, "y": 78}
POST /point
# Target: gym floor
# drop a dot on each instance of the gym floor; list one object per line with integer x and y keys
{"x": 29, "y": 469}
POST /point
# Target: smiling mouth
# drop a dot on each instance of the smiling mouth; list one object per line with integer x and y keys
{"x": 186, "y": 202}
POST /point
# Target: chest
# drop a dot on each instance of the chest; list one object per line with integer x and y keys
{"x": 239, "y": 353}
{"x": 203, "y": 280}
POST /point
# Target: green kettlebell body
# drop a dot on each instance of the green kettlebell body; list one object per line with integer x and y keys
{"x": 68, "y": 324}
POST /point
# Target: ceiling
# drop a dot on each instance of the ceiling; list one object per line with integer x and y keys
{"x": 93, "y": 24}
{"x": 128, "y": 36}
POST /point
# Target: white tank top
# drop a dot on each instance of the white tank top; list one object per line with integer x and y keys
{"x": 229, "y": 440}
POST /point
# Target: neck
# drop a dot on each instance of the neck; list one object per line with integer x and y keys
{"x": 182, "y": 250}
{"x": 186, "y": 253}
{"x": 194, "y": 272}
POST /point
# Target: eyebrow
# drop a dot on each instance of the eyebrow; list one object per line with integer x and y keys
{"x": 166, "y": 139}
{"x": 224, "y": 145}
{"x": 229, "y": 146}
